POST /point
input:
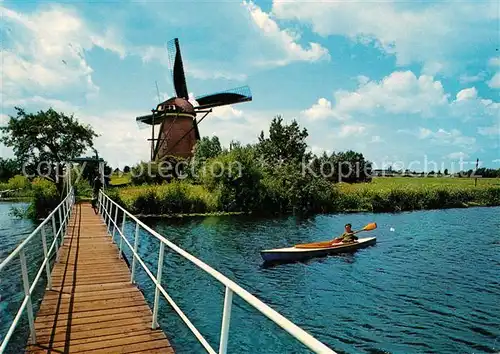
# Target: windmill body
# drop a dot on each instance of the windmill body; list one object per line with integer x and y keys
{"x": 176, "y": 118}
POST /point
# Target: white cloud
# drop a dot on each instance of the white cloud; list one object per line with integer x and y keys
{"x": 444, "y": 137}
{"x": 377, "y": 139}
{"x": 3, "y": 119}
{"x": 284, "y": 39}
{"x": 495, "y": 61}
{"x": 487, "y": 131}
{"x": 494, "y": 83}
{"x": 400, "y": 92}
{"x": 38, "y": 102}
{"x": 44, "y": 51}
{"x": 320, "y": 110}
{"x": 349, "y": 130}
{"x": 457, "y": 156}
{"x": 194, "y": 69}
{"x": 226, "y": 112}
{"x": 467, "y": 79}
{"x": 431, "y": 33}
{"x": 466, "y": 94}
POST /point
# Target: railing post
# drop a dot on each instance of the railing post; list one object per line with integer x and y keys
{"x": 26, "y": 285}
{"x": 123, "y": 232}
{"x": 54, "y": 230}
{"x": 47, "y": 263}
{"x": 60, "y": 223}
{"x": 154, "y": 324}
{"x": 110, "y": 211}
{"x": 226, "y": 317}
{"x": 136, "y": 243}
{"x": 105, "y": 210}
{"x": 99, "y": 202}
{"x": 114, "y": 223}
{"x": 63, "y": 222}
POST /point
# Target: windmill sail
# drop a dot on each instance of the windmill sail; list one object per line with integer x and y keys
{"x": 177, "y": 68}
{"x": 232, "y": 96}
{"x": 178, "y": 132}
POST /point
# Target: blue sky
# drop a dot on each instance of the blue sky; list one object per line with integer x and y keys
{"x": 400, "y": 82}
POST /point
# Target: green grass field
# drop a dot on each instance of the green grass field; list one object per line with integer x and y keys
{"x": 380, "y": 183}
{"x": 120, "y": 179}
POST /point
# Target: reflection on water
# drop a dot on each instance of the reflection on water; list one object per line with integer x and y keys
{"x": 421, "y": 288}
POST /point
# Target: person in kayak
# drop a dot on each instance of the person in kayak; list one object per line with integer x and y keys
{"x": 347, "y": 237}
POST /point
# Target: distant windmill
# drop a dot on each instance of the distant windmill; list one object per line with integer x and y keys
{"x": 176, "y": 116}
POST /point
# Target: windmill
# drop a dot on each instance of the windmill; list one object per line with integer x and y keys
{"x": 178, "y": 131}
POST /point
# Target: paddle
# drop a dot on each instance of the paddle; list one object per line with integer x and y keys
{"x": 368, "y": 227}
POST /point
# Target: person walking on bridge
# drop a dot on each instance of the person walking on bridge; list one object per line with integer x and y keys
{"x": 96, "y": 187}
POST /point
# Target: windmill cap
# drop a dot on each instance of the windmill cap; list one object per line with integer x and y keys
{"x": 178, "y": 104}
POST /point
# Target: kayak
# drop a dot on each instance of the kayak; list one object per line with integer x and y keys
{"x": 290, "y": 254}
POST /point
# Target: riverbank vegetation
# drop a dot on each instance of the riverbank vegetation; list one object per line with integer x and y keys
{"x": 280, "y": 176}
{"x": 276, "y": 175}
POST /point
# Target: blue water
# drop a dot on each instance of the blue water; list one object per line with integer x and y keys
{"x": 430, "y": 286}
{"x": 12, "y": 232}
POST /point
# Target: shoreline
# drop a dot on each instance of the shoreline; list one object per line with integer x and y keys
{"x": 347, "y": 211}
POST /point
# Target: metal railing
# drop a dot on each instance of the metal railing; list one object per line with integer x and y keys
{"x": 63, "y": 211}
{"x": 106, "y": 209}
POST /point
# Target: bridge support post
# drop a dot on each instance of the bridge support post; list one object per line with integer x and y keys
{"x": 226, "y": 317}
{"x": 123, "y": 233}
{"x": 136, "y": 243}
{"x": 115, "y": 226}
{"x": 54, "y": 231}
{"x": 46, "y": 255}
{"x": 29, "y": 305}
{"x": 157, "y": 289}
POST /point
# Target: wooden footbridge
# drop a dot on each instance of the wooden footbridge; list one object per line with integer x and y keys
{"x": 91, "y": 303}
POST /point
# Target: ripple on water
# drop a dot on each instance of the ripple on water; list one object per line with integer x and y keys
{"x": 419, "y": 289}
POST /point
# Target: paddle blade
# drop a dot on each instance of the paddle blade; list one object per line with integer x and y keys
{"x": 369, "y": 227}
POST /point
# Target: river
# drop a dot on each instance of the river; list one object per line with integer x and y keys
{"x": 430, "y": 284}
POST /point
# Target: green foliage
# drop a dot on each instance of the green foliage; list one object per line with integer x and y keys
{"x": 348, "y": 166}
{"x": 173, "y": 198}
{"x": 207, "y": 148}
{"x": 235, "y": 177}
{"x": 157, "y": 172}
{"x": 45, "y": 140}
{"x": 88, "y": 170}
{"x": 395, "y": 194}
{"x": 8, "y": 169}
{"x": 287, "y": 189}
{"x": 285, "y": 143}
{"x": 19, "y": 182}
{"x": 45, "y": 198}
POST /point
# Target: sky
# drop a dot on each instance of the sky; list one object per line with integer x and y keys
{"x": 404, "y": 83}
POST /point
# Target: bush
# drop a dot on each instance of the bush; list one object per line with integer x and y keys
{"x": 157, "y": 172}
{"x": 45, "y": 198}
{"x": 236, "y": 178}
{"x": 173, "y": 198}
{"x": 19, "y": 182}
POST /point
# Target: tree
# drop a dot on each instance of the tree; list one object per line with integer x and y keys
{"x": 8, "y": 169}
{"x": 348, "y": 166}
{"x": 207, "y": 148}
{"x": 285, "y": 143}
{"x": 446, "y": 172}
{"x": 45, "y": 141}
{"x": 90, "y": 169}
{"x": 126, "y": 169}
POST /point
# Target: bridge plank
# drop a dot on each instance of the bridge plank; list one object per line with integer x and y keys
{"x": 92, "y": 307}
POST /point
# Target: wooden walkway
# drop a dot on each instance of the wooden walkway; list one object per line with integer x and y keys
{"x": 92, "y": 307}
